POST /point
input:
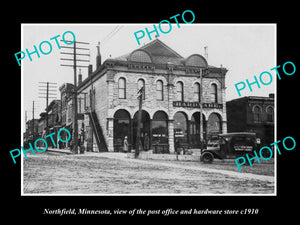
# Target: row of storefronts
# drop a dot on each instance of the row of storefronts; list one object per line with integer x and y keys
{"x": 157, "y": 130}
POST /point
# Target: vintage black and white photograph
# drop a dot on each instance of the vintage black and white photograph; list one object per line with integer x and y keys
{"x": 144, "y": 109}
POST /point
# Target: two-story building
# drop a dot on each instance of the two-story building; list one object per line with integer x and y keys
{"x": 54, "y": 119}
{"x": 66, "y": 95}
{"x": 171, "y": 101}
{"x": 252, "y": 114}
{"x": 31, "y": 131}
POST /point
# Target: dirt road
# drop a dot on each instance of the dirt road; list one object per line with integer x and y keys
{"x": 49, "y": 173}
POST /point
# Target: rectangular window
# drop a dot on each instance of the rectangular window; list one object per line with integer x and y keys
{"x": 141, "y": 84}
{"x": 179, "y": 88}
{"x": 256, "y": 117}
{"x": 214, "y": 92}
{"x": 122, "y": 88}
{"x": 159, "y": 91}
{"x": 197, "y": 92}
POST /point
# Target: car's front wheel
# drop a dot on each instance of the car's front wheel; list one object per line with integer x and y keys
{"x": 207, "y": 157}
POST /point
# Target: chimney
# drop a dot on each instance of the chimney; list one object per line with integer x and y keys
{"x": 98, "y": 58}
{"x": 79, "y": 77}
{"x": 206, "y": 52}
{"x": 90, "y": 70}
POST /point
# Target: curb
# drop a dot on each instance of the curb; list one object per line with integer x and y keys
{"x": 67, "y": 152}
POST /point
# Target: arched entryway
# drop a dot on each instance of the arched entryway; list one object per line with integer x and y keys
{"x": 195, "y": 130}
{"x": 214, "y": 124}
{"x": 160, "y": 136}
{"x": 180, "y": 128}
{"x": 144, "y": 129}
{"x": 122, "y": 128}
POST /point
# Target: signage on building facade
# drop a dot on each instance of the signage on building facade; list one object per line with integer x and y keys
{"x": 197, "y": 105}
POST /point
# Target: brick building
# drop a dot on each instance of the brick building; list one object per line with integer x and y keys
{"x": 54, "y": 119}
{"x": 42, "y": 124}
{"x": 31, "y": 131}
{"x": 170, "y": 109}
{"x": 252, "y": 114}
{"x": 66, "y": 93}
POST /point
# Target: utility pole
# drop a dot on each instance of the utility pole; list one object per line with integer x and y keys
{"x": 49, "y": 92}
{"x": 32, "y": 120}
{"x": 201, "y": 97}
{"x": 75, "y": 60}
{"x": 138, "y": 132}
{"x": 201, "y": 110}
{"x": 31, "y": 125}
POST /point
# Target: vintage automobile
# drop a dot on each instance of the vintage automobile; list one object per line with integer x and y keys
{"x": 229, "y": 146}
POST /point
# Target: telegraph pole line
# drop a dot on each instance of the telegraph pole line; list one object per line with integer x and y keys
{"x": 201, "y": 110}
{"x": 30, "y": 131}
{"x": 33, "y": 120}
{"x": 75, "y": 60}
{"x": 138, "y": 132}
{"x": 49, "y": 92}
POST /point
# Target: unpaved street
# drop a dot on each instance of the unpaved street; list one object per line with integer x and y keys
{"x": 50, "y": 173}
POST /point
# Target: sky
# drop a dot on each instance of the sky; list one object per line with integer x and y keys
{"x": 245, "y": 50}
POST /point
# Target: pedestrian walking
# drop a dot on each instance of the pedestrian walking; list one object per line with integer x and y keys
{"x": 125, "y": 144}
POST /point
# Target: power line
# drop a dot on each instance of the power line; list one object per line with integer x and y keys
{"x": 112, "y": 33}
{"x": 106, "y": 37}
{"x": 75, "y": 48}
{"x": 44, "y": 93}
{"x": 120, "y": 27}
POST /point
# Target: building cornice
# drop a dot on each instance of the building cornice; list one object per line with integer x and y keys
{"x": 152, "y": 68}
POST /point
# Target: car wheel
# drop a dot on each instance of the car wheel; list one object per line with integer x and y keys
{"x": 207, "y": 157}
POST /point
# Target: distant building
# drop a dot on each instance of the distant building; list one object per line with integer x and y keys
{"x": 252, "y": 114}
{"x": 54, "y": 119}
{"x": 31, "y": 130}
{"x": 66, "y": 94}
{"x": 42, "y": 123}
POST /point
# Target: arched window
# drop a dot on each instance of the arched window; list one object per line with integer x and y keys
{"x": 159, "y": 90}
{"x": 141, "y": 83}
{"x": 121, "y": 129}
{"x": 257, "y": 114}
{"x": 270, "y": 114}
{"x": 179, "y": 89}
{"x": 122, "y": 88}
{"x": 214, "y": 124}
{"x": 180, "y": 127}
{"x": 197, "y": 92}
{"x": 160, "y": 128}
{"x": 214, "y": 93}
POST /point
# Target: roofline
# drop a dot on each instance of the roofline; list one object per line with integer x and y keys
{"x": 109, "y": 63}
{"x": 252, "y": 98}
{"x": 157, "y": 40}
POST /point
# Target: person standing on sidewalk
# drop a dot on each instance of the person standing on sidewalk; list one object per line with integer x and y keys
{"x": 125, "y": 144}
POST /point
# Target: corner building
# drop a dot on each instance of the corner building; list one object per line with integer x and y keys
{"x": 171, "y": 100}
